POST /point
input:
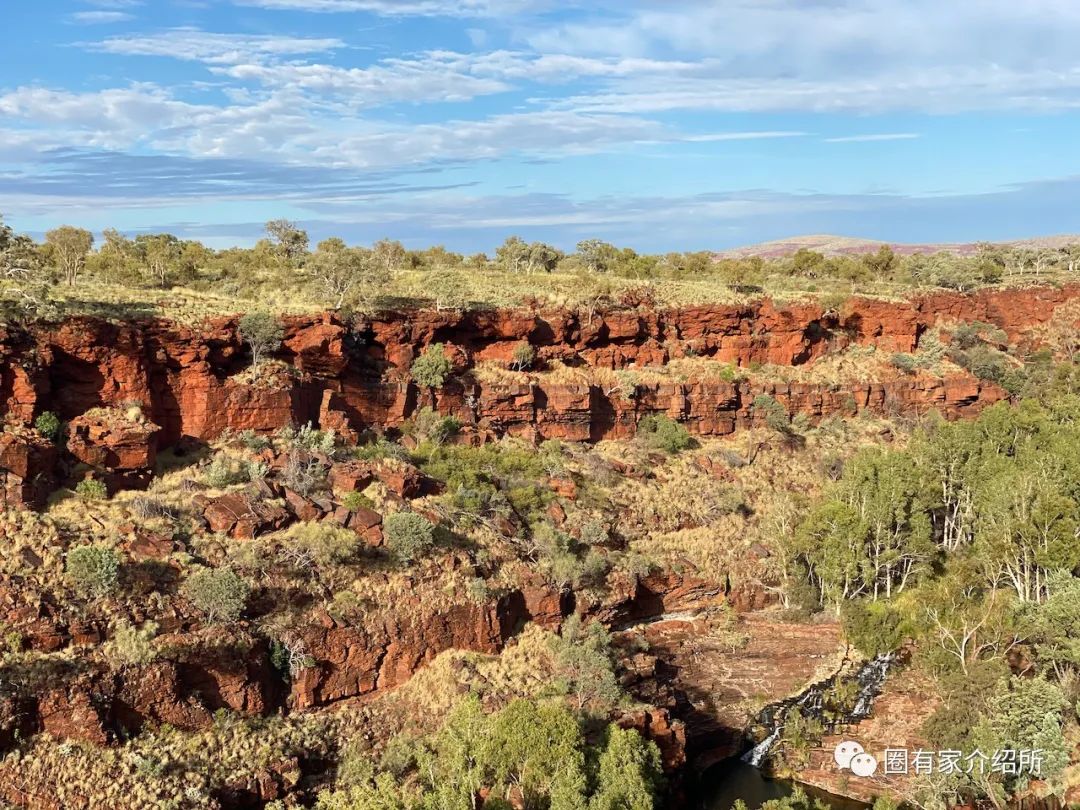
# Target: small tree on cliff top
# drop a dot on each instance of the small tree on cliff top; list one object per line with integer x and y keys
{"x": 262, "y": 333}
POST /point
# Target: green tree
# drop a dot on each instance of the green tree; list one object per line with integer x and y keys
{"x": 449, "y": 288}
{"x": 537, "y": 748}
{"x": 517, "y": 256}
{"x": 597, "y": 256}
{"x": 68, "y": 247}
{"x": 19, "y": 256}
{"x": 873, "y": 627}
{"x": 1054, "y": 625}
{"x": 345, "y": 275}
{"x": 454, "y": 762}
{"x": 881, "y": 264}
{"x": 1027, "y": 715}
{"x": 1026, "y": 527}
{"x": 262, "y": 332}
{"x": 160, "y": 254}
{"x": 290, "y": 242}
{"x": 629, "y": 772}
{"x": 967, "y": 624}
{"x": 872, "y": 535}
{"x": 586, "y": 664}
{"x": 379, "y": 793}
{"x": 389, "y": 255}
{"x": 117, "y": 260}
{"x": 806, "y": 262}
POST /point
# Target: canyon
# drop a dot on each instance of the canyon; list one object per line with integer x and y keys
{"x": 190, "y": 386}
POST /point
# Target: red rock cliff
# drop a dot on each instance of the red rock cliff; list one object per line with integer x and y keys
{"x": 356, "y": 376}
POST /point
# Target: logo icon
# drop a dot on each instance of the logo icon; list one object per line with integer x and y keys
{"x": 850, "y": 754}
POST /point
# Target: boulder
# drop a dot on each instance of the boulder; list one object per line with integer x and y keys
{"x": 27, "y": 469}
{"x": 242, "y": 517}
{"x": 106, "y": 441}
{"x": 350, "y": 476}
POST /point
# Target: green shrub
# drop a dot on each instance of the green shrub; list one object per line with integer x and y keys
{"x": 379, "y": 449}
{"x": 776, "y": 415}
{"x": 478, "y": 591}
{"x": 48, "y": 425}
{"x": 253, "y": 441}
{"x": 495, "y": 478}
{"x": 663, "y": 433}
{"x": 219, "y": 593}
{"x": 432, "y": 368}
{"x": 408, "y": 535}
{"x": 308, "y": 437}
{"x": 93, "y": 569}
{"x": 256, "y": 470}
{"x": 355, "y": 501}
{"x": 223, "y": 471}
{"x": 905, "y": 362}
{"x": 969, "y": 335}
{"x": 91, "y": 489}
{"x": 429, "y": 425}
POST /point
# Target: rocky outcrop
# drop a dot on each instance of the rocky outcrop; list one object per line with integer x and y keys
{"x": 27, "y": 468}
{"x": 188, "y": 381}
{"x": 121, "y": 451}
{"x": 354, "y": 661}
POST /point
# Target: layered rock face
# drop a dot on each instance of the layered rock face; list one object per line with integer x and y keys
{"x": 355, "y": 377}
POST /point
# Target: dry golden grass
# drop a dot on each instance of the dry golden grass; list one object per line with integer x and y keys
{"x": 164, "y": 768}
{"x": 488, "y": 287}
{"x": 524, "y": 669}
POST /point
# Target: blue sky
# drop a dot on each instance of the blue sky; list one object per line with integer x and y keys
{"x": 659, "y": 124}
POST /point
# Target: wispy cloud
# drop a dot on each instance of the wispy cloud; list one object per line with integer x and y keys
{"x": 100, "y": 17}
{"x": 192, "y": 44}
{"x": 742, "y": 136}
{"x": 410, "y": 8}
{"x": 886, "y": 136}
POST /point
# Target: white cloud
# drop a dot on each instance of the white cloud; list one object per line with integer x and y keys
{"x": 412, "y": 8}
{"x": 929, "y": 90}
{"x": 541, "y": 134}
{"x": 742, "y": 136}
{"x": 100, "y": 17}
{"x": 388, "y": 82}
{"x": 857, "y": 55}
{"x": 886, "y": 136}
{"x": 114, "y": 118}
{"x": 191, "y": 44}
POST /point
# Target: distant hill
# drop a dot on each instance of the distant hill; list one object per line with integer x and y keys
{"x": 846, "y": 245}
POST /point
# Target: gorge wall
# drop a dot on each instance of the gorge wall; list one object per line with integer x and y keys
{"x": 355, "y": 376}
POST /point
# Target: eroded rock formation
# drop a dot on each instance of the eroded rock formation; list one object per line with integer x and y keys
{"x": 356, "y": 377}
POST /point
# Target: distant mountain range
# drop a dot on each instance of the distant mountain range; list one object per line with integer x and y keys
{"x": 846, "y": 245}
